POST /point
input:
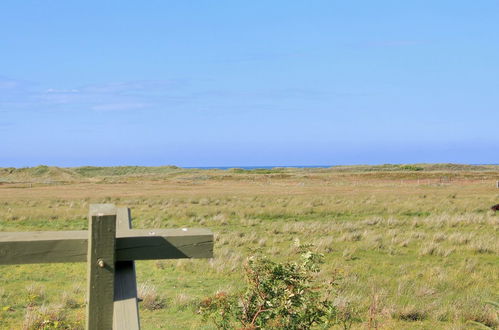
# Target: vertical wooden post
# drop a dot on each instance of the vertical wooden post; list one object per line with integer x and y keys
{"x": 126, "y": 311}
{"x": 100, "y": 266}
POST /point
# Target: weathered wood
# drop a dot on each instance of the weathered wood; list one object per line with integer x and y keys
{"x": 100, "y": 265}
{"x": 43, "y": 247}
{"x": 126, "y": 311}
{"x": 110, "y": 248}
{"x": 134, "y": 244}
{"x": 144, "y": 244}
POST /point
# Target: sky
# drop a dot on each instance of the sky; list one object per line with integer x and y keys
{"x": 248, "y": 83}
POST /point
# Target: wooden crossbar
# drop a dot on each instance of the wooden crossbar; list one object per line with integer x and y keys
{"x": 110, "y": 248}
{"x": 134, "y": 244}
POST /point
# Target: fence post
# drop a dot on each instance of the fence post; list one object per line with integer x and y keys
{"x": 100, "y": 266}
{"x": 126, "y": 311}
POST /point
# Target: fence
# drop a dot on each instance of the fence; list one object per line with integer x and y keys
{"x": 110, "y": 248}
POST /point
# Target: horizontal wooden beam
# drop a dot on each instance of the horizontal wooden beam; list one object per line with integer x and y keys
{"x": 134, "y": 244}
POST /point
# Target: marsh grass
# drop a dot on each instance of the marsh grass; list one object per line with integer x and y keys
{"x": 432, "y": 260}
{"x": 149, "y": 297}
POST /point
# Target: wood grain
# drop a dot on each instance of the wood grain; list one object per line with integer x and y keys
{"x": 134, "y": 244}
{"x": 126, "y": 311}
{"x": 100, "y": 266}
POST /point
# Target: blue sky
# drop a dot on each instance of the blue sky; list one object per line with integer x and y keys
{"x": 234, "y": 83}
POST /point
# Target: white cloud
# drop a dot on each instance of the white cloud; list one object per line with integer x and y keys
{"x": 133, "y": 86}
{"x": 13, "y": 84}
{"x": 62, "y": 91}
{"x": 120, "y": 106}
{"x": 118, "y": 96}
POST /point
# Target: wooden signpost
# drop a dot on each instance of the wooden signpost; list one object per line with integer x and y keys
{"x": 110, "y": 248}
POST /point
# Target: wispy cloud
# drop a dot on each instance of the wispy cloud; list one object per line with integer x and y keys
{"x": 59, "y": 97}
{"x": 134, "y": 86}
{"x": 115, "y": 96}
{"x": 15, "y": 93}
{"x": 59, "y": 91}
{"x": 272, "y": 94}
{"x": 120, "y": 106}
{"x": 147, "y": 95}
{"x": 261, "y": 57}
{"x": 386, "y": 43}
{"x": 10, "y": 84}
{"x": 394, "y": 43}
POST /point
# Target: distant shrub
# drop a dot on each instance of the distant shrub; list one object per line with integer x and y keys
{"x": 237, "y": 170}
{"x": 39, "y": 170}
{"x": 275, "y": 170}
{"x": 411, "y": 168}
{"x": 93, "y": 171}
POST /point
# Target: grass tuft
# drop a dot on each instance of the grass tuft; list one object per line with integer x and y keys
{"x": 150, "y": 298}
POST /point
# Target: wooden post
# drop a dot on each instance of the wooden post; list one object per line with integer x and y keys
{"x": 126, "y": 311}
{"x": 100, "y": 266}
{"x": 109, "y": 247}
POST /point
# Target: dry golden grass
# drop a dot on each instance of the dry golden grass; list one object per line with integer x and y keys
{"x": 410, "y": 249}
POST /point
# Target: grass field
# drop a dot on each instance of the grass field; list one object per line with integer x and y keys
{"x": 413, "y": 247}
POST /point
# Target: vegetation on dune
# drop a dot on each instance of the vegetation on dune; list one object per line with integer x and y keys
{"x": 417, "y": 167}
{"x": 92, "y": 171}
{"x": 85, "y": 173}
{"x": 404, "y": 254}
{"x": 72, "y": 174}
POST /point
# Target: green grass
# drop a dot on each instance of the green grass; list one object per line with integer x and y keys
{"x": 408, "y": 254}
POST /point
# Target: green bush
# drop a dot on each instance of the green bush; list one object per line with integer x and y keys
{"x": 411, "y": 168}
{"x": 277, "y": 295}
